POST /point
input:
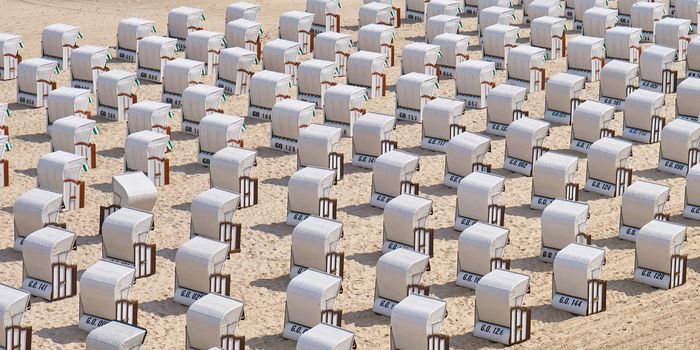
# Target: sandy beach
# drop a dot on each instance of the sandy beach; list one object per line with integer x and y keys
{"x": 637, "y": 316}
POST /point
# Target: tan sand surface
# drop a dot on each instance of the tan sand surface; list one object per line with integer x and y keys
{"x": 638, "y": 316}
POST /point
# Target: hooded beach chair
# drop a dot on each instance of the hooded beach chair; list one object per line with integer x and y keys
{"x": 144, "y": 151}
{"x": 680, "y": 147}
{"x": 72, "y": 134}
{"x": 296, "y": 26}
{"x": 495, "y": 15}
{"x": 216, "y": 132}
{"x": 376, "y": 12}
{"x": 553, "y": 177}
{"x": 244, "y": 34}
{"x": 368, "y": 70}
{"x": 149, "y": 115}
{"x": 563, "y": 222}
{"x": 607, "y": 171}
{"x": 266, "y": 89}
{"x": 9, "y": 50}
{"x": 124, "y": 240}
{"x": 687, "y": 9}
{"x": 32, "y": 211}
{"x": 674, "y": 33}
{"x": 687, "y": 106}
{"x": 453, "y": 51}
{"x": 230, "y": 169}
{"x": 45, "y": 271}
{"x": 441, "y": 24}
{"x": 326, "y": 337}
{"x": 585, "y": 57}
{"x": 199, "y": 264}
{"x": 289, "y": 117}
{"x": 524, "y": 140}
{"x": 309, "y": 193}
{"x": 282, "y": 56}
{"x": 642, "y": 116}
{"x": 617, "y": 80}
{"x": 315, "y": 77}
{"x": 115, "y": 94}
{"x": 391, "y": 177}
{"x": 116, "y": 335}
{"x": 334, "y": 47}
{"x": 692, "y": 67}
{"x": 315, "y": 245}
{"x": 399, "y": 274}
{"x": 577, "y": 286}
{"x": 405, "y": 221}
{"x": 213, "y": 216}
{"x": 212, "y": 321}
{"x": 441, "y": 117}
{"x": 548, "y": 33}
{"x": 378, "y": 38}
{"x": 198, "y": 101}
{"x": 58, "y": 42}
{"x": 504, "y": 107}
{"x": 540, "y": 8}
{"x": 178, "y": 75}
{"x": 67, "y": 101}
{"x": 642, "y": 202}
{"x": 590, "y": 123}
{"x": 130, "y": 31}
{"x": 624, "y": 11}
{"x": 131, "y": 190}
{"x": 415, "y": 10}
{"x": 496, "y": 41}
{"x": 478, "y": 198}
{"x": 474, "y": 79}
{"x": 416, "y": 322}
{"x": 87, "y": 63}
{"x": 35, "y": 81}
{"x": 235, "y": 70}
{"x": 60, "y": 172}
{"x": 13, "y": 303}
{"x": 372, "y": 138}
{"x": 311, "y": 298}
{"x": 691, "y": 202}
{"x": 343, "y": 105}
{"x": 182, "y": 21}
{"x": 413, "y": 91}
{"x": 242, "y": 10}
{"x": 480, "y": 250}
{"x": 645, "y": 15}
{"x": 104, "y": 295}
{"x": 526, "y": 67}
{"x": 658, "y": 261}
{"x": 421, "y": 58}
{"x": 499, "y": 314}
{"x": 562, "y": 97}
{"x": 622, "y": 43}
{"x": 319, "y": 146}
{"x": 580, "y": 8}
{"x": 152, "y": 54}
{"x": 443, "y": 7}
{"x": 598, "y": 20}
{"x": 326, "y": 16}
{"x": 464, "y": 154}
{"x": 204, "y": 46}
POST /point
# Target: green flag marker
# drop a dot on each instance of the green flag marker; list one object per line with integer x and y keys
{"x": 8, "y": 146}
{"x": 21, "y": 44}
{"x": 153, "y": 29}
{"x": 109, "y": 56}
{"x": 170, "y": 145}
{"x": 80, "y": 35}
{"x": 95, "y": 131}
{"x": 171, "y": 114}
{"x": 85, "y": 167}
